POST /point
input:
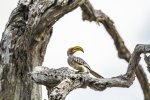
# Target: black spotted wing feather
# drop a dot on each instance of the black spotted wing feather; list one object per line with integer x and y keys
{"x": 80, "y": 61}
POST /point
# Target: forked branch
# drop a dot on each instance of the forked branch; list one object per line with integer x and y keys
{"x": 60, "y": 82}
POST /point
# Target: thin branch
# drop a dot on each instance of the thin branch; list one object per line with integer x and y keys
{"x": 90, "y": 14}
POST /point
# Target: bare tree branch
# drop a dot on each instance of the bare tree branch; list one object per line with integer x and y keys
{"x": 63, "y": 80}
{"x": 90, "y": 14}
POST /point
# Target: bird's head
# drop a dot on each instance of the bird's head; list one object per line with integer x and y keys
{"x": 72, "y": 50}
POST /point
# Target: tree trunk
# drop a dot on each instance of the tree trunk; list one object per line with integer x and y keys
{"x": 20, "y": 52}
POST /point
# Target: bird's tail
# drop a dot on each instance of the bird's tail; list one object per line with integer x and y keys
{"x": 95, "y": 74}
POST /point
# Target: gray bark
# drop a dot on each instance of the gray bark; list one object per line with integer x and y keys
{"x": 60, "y": 82}
{"x": 24, "y": 43}
{"x": 23, "y": 47}
{"x": 21, "y": 50}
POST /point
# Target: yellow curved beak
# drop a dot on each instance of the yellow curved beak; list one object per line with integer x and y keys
{"x": 77, "y": 48}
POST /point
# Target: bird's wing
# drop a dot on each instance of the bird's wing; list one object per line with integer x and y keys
{"x": 80, "y": 61}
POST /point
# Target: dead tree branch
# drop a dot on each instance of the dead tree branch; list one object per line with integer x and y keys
{"x": 63, "y": 80}
{"x": 23, "y": 47}
{"x": 90, "y": 14}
